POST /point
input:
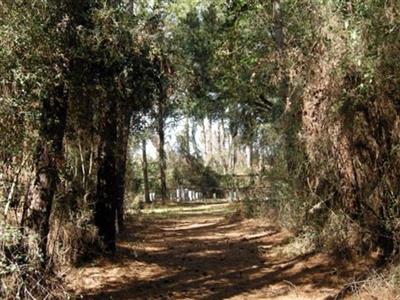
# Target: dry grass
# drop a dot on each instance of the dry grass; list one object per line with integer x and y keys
{"x": 380, "y": 286}
{"x": 72, "y": 239}
{"x": 299, "y": 245}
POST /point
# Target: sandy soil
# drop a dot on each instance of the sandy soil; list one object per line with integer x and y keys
{"x": 200, "y": 254}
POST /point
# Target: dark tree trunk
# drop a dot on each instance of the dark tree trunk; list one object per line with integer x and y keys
{"x": 124, "y": 120}
{"x": 278, "y": 24}
{"x": 234, "y": 152}
{"x": 106, "y": 204}
{"x": 145, "y": 172}
{"x": 49, "y": 156}
{"x": 386, "y": 242}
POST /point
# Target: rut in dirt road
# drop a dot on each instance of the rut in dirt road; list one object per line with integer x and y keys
{"x": 204, "y": 255}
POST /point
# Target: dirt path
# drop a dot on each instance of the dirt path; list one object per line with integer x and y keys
{"x": 197, "y": 253}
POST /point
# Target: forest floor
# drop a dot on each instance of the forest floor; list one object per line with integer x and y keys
{"x": 197, "y": 252}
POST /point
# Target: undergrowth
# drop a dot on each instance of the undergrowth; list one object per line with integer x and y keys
{"x": 20, "y": 260}
{"x": 380, "y": 286}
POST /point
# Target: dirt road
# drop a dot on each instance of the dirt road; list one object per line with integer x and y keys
{"x": 197, "y": 253}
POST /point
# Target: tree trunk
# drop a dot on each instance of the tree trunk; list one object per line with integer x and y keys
{"x": 193, "y": 138}
{"x": 223, "y": 136}
{"x": 280, "y": 46}
{"x": 224, "y": 157}
{"x": 124, "y": 121}
{"x": 250, "y": 156}
{"x": 105, "y": 204}
{"x": 234, "y": 153}
{"x": 49, "y": 156}
{"x": 210, "y": 139}
{"x": 161, "y": 150}
{"x": 205, "y": 143}
{"x": 278, "y": 24}
{"x": 230, "y": 153}
{"x": 187, "y": 135}
{"x": 260, "y": 160}
{"x": 219, "y": 139}
{"x": 145, "y": 172}
{"x": 290, "y": 122}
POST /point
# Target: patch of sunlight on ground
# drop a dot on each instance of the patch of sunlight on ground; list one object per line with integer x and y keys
{"x": 190, "y": 209}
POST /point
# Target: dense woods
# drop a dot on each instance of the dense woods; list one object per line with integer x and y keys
{"x": 109, "y": 106}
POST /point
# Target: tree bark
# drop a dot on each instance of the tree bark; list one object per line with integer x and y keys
{"x": 145, "y": 172}
{"x": 106, "y": 204}
{"x": 205, "y": 143}
{"x": 280, "y": 45}
{"x": 290, "y": 122}
{"x": 219, "y": 139}
{"x": 210, "y": 139}
{"x": 250, "y": 156}
{"x": 124, "y": 120}
{"x": 187, "y": 135}
{"x": 49, "y": 156}
{"x": 193, "y": 138}
{"x": 161, "y": 150}
{"x": 224, "y": 157}
{"x": 278, "y": 24}
{"x": 234, "y": 153}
